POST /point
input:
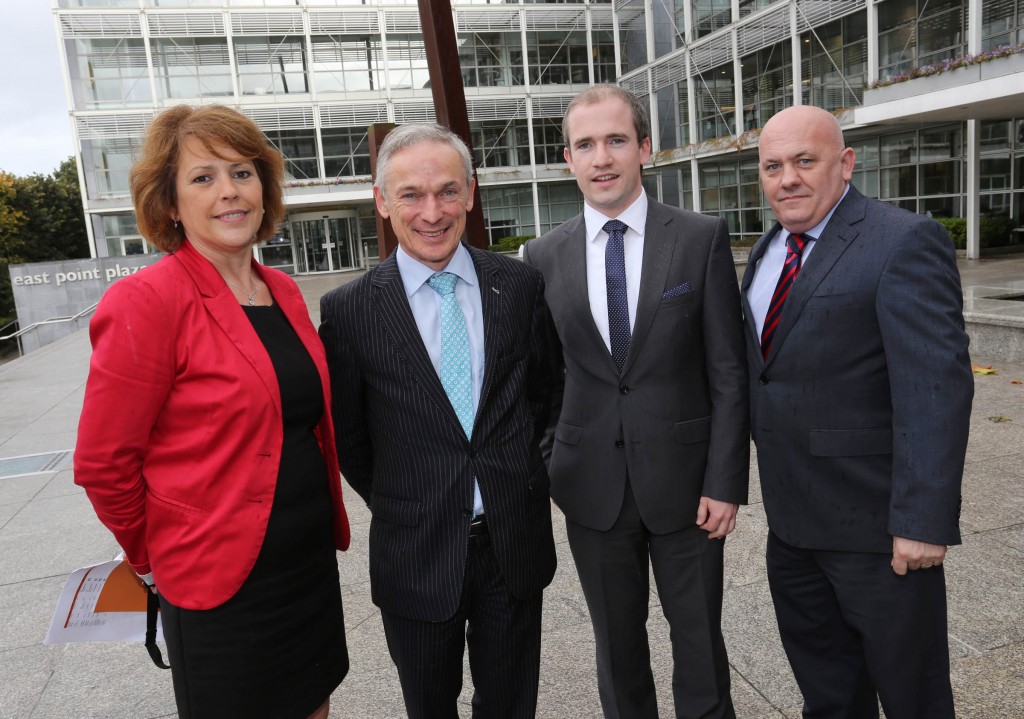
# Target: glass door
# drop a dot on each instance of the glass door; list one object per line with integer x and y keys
{"x": 344, "y": 248}
{"x": 325, "y": 242}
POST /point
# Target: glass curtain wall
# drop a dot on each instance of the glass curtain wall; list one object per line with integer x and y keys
{"x": 715, "y": 98}
{"x": 767, "y": 83}
{"x": 346, "y": 63}
{"x": 913, "y": 33}
{"x": 108, "y": 74}
{"x": 834, "y": 65}
{"x": 274, "y": 65}
{"x": 1002, "y": 23}
{"x": 190, "y": 67}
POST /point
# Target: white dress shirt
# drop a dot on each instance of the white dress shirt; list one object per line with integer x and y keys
{"x": 425, "y": 304}
{"x": 769, "y": 267}
{"x": 635, "y": 218}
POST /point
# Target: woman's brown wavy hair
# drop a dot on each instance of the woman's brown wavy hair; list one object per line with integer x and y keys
{"x": 153, "y": 175}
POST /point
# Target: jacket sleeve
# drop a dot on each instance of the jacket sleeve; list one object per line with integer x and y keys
{"x": 727, "y": 475}
{"x": 351, "y": 428}
{"x": 920, "y": 311}
{"x": 543, "y": 364}
{"x": 130, "y": 376}
{"x": 548, "y": 349}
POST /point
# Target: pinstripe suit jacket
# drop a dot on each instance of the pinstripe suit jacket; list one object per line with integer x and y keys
{"x": 401, "y": 446}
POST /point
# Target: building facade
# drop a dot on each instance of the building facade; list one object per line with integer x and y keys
{"x": 314, "y": 74}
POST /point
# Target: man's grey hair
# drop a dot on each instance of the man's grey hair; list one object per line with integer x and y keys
{"x": 405, "y": 136}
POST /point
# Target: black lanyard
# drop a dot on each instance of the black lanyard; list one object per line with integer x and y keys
{"x": 152, "y": 609}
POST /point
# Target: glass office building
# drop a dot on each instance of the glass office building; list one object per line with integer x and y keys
{"x": 314, "y": 74}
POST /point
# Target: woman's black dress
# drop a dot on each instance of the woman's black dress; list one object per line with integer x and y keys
{"x": 277, "y": 648}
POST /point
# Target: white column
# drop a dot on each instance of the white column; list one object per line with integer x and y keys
{"x": 973, "y": 143}
{"x": 872, "y": 17}
{"x": 794, "y": 43}
{"x": 737, "y": 81}
{"x": 973, "y": 148}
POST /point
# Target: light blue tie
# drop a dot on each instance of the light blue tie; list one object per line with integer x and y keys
{"x": 456, "y": 368}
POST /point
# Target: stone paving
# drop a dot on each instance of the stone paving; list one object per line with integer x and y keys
{"x": 47, "y": 529}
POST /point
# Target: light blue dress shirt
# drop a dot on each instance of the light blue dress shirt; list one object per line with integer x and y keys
{"x": 425, "y": 304}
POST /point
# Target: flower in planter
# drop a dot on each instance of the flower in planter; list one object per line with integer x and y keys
{"x": 949, "y": 64}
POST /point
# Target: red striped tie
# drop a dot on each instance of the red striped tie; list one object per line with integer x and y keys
{"x": 794, "y": 249}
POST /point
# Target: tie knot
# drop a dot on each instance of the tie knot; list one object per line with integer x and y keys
{"x": 443, "y": 283}
{"x": 796, "y": 244}
{"x": 613, "y": 226}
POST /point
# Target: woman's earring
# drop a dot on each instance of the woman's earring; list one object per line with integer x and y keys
{"x": 175, "y": 224}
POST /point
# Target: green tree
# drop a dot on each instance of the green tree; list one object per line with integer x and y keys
{"x": 12, "y": 242}
{"x": 41, "y": 220}
{"x": 54, "y": 228}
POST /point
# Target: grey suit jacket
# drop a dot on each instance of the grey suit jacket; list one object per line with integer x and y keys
{"x": 401, "y": 447}
{"x": 676, "y": 421}
{"x": 860, "y": 412}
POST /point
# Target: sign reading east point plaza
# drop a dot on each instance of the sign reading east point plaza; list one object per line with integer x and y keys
{"x": 48, "y": 290}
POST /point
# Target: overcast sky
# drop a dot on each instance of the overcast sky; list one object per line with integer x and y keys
{"x": 35, "y": 134}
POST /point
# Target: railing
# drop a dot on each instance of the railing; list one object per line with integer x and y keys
{"x": 36, "y": 325}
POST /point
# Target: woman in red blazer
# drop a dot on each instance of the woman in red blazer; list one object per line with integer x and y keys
{"x": 205, "y": 442}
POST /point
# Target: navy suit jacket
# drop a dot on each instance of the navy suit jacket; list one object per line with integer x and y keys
{"x": 860, "y": 412}
{"x": 401, "y": 446}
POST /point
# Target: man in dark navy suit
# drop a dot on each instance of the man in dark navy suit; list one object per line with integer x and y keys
{"x": 441, "y": 378}
{"x": 861, "y": 390}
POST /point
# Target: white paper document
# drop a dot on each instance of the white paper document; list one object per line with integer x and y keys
{"x": 102, "y": 603}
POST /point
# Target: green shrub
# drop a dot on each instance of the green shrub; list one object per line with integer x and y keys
{"x": 957, "y": 229}
{"x": 510, "y": 244}
{"x": 995, "y": 230}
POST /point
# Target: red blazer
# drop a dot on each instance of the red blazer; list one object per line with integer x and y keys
{"x": 180, "y": 436}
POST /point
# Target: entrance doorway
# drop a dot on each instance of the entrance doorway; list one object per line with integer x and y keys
{"x": 325, "y": 242}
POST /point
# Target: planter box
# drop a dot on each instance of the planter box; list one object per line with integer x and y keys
{"x": 1002, "y": 66}
{"x": 992, "y": 69}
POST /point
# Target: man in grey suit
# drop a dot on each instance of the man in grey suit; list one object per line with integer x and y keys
{"x": 441, "y": 379}
{"x": 861, "y": 391}
{"x": 649, "y": 457}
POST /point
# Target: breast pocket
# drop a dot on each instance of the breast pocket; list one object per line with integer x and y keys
{"x": 669, "y": 303}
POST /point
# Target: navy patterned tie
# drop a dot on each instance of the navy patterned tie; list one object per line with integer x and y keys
{"x": 790, "y": 269}
{"x": 618, "y": 302}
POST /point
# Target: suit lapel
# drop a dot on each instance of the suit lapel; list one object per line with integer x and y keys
{"x": 660, "y": 237}
{"x": 391, "y": 306}
{"x": 828, "y": 248}
{"x": 224, "y": 309}
{"x": 492, "y": 299}
{"x": 756, "y": 253}
{"x": 572, "y": 261}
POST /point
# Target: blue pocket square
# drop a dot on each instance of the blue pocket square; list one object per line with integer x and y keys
{"x": 676, "y": 291}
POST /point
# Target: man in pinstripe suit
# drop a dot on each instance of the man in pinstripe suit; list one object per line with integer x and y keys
{"x": 460, "y": 541}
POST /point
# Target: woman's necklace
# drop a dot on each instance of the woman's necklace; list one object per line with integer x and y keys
{"x": 247, "y": 293}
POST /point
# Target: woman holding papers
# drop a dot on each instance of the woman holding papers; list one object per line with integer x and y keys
{"x": 205, "y": 442}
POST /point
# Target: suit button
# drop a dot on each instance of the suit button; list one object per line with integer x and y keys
{"x": 472, "y": 454}
{"x": 763, "y": 379}
{"x": 468, "y": 513}
{"x": 619, "y": 443}
{"x": 623, "y": 389}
